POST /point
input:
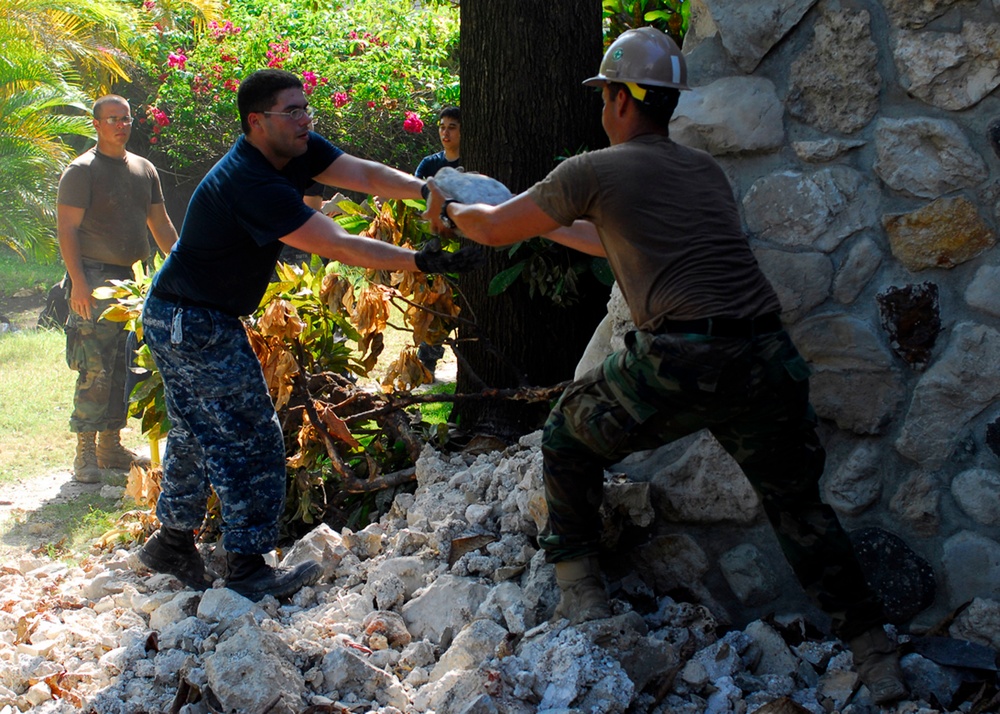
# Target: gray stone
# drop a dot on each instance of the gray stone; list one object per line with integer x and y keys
{"x": 862, "y": 262}
{"x": 749, "y": 575}
{"x": 183, "y": 605}
{"x": 223, "y": 606}
{"x": 971, "y": 565}
{"x": 856, "y": 483}
{"x": 730, "y": 116}
{"x": 775, "y": 657}
{"x": 252, "y": 668}
{"x": 854, "y": 382}
{"x": 801, "y": 280}
{"x": 439, "y": 611}
{"x": 571, "y": 670}
{"x": 950, "y": 70}
{"x": 704, "y": 485}
{"x": 344, "y": 671}
{"x": 913, "y": 14}
{"x": 963, "y": 382}
{"x": 815, "y": 211}
{"x": 477, "y": 642}
{"x": 977, "y": 492}
{"x": 925, "y": 158}
{"x": 979, "y": 622}
{"x": 917, "y": 503}
{"x": 982, "y": 293}
{"x": 749, "y": 31}
{"x": 820, "y": 150}
{"x": 321, "y": 545}
{"x": 835, "y": 82}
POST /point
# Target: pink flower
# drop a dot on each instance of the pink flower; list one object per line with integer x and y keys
{"x": 177, "y": 59}
{"x": 371, "y": 104}
{"x": 160, "y": 117}
{"x": 221, "y": 31}
{"x": 278, "y": 53}
{"x": 232, "y": 85}
{"x": 153, "y": 140}
{"x": 310, "y": 80}
{"x": 340, "y": 99}
{"x": 149, "y": 4}
{"x": 413, "y": 123}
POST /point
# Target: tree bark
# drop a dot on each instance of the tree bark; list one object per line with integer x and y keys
{"x": 524, "y": 107}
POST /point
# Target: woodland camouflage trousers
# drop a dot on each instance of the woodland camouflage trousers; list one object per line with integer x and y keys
{"x": 95, "y": 349}
{"x": 753, "y": 395}
{"x": 224, "y": 431}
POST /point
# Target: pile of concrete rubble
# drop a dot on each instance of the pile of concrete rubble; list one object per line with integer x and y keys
{"x": 442, "y": 606}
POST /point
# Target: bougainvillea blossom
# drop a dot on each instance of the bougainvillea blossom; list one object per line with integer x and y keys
{"x": 413, "y": 123}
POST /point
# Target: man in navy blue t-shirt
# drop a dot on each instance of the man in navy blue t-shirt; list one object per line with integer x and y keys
{"x": 225, "y": 432}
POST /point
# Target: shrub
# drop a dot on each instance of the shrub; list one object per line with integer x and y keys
{"x": 376, "y": 73}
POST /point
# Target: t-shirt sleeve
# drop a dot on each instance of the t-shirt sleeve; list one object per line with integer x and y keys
{"x": 155, "y": 189}
{"x": 568, "y": 192}
{"x": 422, "y": 168}
{"x": 74, "y": 187}
{"x": 320, "y": 154}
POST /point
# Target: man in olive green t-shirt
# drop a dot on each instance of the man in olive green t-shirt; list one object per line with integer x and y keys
{"x": 709, "y": 351}
{"x": 107, "y": 198}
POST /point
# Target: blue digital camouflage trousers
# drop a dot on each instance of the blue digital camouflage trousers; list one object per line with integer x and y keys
{"x": 224, "y": 430}
{"x": 95, "y": 349}
{"x": 753, "y": 395}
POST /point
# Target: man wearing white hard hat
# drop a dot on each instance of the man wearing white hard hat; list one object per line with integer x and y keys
{"x": 709, "y": 350}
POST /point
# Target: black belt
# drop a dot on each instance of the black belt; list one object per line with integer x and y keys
{"x": 724, "y": 326}
{"x": 106, "y": 267}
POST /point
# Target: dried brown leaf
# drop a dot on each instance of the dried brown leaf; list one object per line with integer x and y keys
{"x": 280, "y": 319}
{"x": 406, "y": 372}
{"x": 143, "y": 485}
{"x": 371, "y": 313}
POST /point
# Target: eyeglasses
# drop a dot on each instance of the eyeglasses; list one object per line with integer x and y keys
{"x": 113, "y": 121}
{"x": 297, "y": 114}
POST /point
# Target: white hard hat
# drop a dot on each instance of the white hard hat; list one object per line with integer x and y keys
{"x": 643, "y": 56}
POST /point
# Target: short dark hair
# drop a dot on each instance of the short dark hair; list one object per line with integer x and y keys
{"x": 451, "y": 113}
{"x": 258, "y": 91}
{"x": 109, "y": 99}
{"x": 659, "y": 104}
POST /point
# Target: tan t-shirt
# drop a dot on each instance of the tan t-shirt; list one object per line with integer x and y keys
{"x": 669, "y": 224}
{"x": 116, "y": 195}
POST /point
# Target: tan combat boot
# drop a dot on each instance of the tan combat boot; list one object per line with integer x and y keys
{"x": 112, "y": 455}
{"x": 85, "y": 468}
{"x": 583, "y": 595}
{"x": 877, "y": 663}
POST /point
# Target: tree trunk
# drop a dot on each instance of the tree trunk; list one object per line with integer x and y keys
{"x": 524, "y": 107}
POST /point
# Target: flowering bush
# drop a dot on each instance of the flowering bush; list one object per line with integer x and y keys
{"x": 376, "y": 73}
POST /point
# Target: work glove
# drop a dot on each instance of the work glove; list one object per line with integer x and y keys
{"x": 431, "y": 259}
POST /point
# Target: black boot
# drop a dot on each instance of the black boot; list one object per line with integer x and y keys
{"x": 172, "y": 551}
{"x": 254, "y": 579}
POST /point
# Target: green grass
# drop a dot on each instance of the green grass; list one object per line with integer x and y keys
{"x": 17, "y": 273}
{"x": 61, "y": 530}
{"x": 36, "y": 395}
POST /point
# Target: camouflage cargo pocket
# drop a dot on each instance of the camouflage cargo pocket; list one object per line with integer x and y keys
{"x": 76, "y": 356}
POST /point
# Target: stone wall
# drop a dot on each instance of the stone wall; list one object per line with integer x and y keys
{"x": 862, "y": 138}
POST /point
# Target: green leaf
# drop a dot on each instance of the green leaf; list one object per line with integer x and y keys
{"x": 602, "y": 270}
{"x": 505, "y": 278}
